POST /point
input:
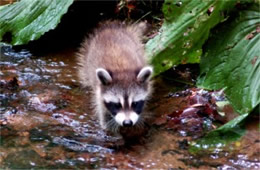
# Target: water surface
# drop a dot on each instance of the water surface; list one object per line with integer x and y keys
{"x": 46, "y": 121}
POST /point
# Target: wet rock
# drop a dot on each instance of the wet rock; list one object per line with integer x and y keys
{"x": 79, "y": 146}
{"x": 36, "y": 104}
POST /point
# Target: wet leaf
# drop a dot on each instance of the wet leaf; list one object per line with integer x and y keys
{"x": 27, "y": 20}
{"x": 229, "y": 132}
{"x": 231, "y": 60}
{"x": 185, "y": 29}
{"x": 196, "y": 119}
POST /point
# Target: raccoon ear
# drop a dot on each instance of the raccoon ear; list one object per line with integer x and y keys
{"x": 103, "y": 76}
{"x": 145, "y": 74}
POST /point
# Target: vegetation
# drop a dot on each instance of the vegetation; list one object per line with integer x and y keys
{"x": 229, "y": 57}
{"x": 28, "y": 20}
{"x": 223, "y": 36}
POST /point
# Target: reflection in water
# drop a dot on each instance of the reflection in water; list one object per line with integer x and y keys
{"x": 46, "y": 122}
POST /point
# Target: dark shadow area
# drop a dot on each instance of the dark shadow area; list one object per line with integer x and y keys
{"x": 83, "y": 16}
{"x": 74, "y": 25}
{"x": 181, "y": 75}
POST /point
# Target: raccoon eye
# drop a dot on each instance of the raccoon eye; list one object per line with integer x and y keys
{"x": 113, "y": 107}
{"x": 137, "y": 106}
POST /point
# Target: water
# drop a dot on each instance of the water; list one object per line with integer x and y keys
{"x": 46, "y": 122}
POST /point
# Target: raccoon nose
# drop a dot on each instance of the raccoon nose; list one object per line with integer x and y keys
{"x": 127, "y": 123}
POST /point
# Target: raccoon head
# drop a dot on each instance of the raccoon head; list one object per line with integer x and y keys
{"x": 125, "y": 101}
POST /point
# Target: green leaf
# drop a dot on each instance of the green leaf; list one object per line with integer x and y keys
{"x": 231, "y": 60}
{"x": 27, "y": 20}
{"x": 229, "y": 132}
{"x": 184, "y": 31}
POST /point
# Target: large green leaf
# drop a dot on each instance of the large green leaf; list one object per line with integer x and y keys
{"x": 184, "y": 31}
{"x": 231, "y": 60}
{"x": 27, "y": 20}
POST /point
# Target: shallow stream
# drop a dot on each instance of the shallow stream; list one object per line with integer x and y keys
{"x": 46, "y": 121}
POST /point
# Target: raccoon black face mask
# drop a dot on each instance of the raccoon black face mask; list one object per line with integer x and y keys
{"x": 112, "y": 62}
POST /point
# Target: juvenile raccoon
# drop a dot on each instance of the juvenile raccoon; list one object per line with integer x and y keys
{"x": 112, "y": 62}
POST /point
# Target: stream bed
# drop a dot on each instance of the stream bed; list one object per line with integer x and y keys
{"x": 46, "y": 122}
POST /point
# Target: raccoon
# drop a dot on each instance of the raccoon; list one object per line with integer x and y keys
{"x": 112, "y": 63}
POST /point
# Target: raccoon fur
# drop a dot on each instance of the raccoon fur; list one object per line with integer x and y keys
{"x": 113, "y": 64}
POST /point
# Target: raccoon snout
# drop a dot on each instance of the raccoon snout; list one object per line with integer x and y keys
{"x": 126, "y": 119}
{"x": 127, "y": 123}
